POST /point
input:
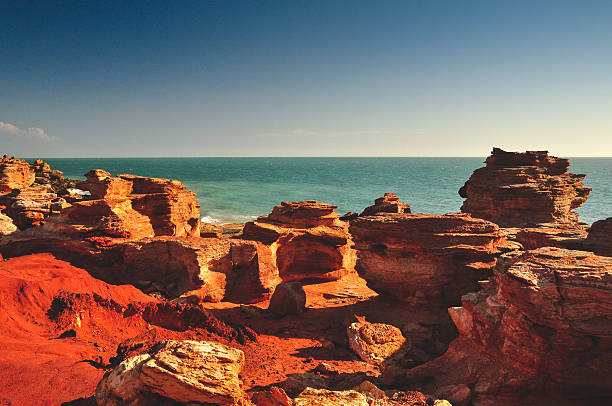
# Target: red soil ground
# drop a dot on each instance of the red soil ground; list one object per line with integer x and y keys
{"x": 61, "y": 328}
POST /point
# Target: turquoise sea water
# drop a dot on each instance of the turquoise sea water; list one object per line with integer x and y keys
{"x": 239, "y": 189}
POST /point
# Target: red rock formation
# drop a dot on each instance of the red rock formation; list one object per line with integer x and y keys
{"x": 389, "y": 203}
{"x": 425, "y": 258}
{"x": 520, "y": 189}
{"x": 307, "y": 240}
{"x": 15, "y": 174}
{"x": 173, "y": 210}
{"x": 552, "y": 236}
{"x": 101, "y": 186}
{"x": 599, "y": 238}
{"x": 539, "y": 333}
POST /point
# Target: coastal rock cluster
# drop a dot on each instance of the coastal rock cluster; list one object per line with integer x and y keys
{"x": 509, "y": 302}
{"x": 517, "y": 189}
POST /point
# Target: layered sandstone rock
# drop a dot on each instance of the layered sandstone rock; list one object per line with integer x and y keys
{"x": 172, "y": 208}
{"x": 180, "y": 371}
{"x": 389, "y": 203}
{"x": 599, "y": 238}
{"x": 425, "y": 258}
{"x": 15, "y": 174}
{"x": 307, "y": 240}
{"x": 541, "y": 329}
{"x": 102, "y": 186}
{"x": 519, "y": 189}
{"x": 44, "y": 175}
{"x": 552, "y": 235}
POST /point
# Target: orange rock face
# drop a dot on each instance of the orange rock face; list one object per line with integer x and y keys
{"x": 307, "y": 240}
{"x": 173, "y": 210}
{"x": 389, "y": 203}
{"x": 541, "y": 328}
{"x": 15, "y": 174}
{"x": 520, "y": 189}
{"x": 101, "y": 186}
{"x": 425, "y": 258}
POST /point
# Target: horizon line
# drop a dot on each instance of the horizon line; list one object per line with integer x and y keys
{"x": 293, "y": 156}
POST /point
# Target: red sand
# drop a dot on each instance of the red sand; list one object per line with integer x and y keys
{"x": 40, "y": 368}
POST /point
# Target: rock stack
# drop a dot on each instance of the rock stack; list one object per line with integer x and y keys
{"x": 389, "y": 203}
{"x": 307, "y": 240}
{"x": 518, "y": 189}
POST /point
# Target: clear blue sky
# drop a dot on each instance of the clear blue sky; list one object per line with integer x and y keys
{"x": 304, "y": 78}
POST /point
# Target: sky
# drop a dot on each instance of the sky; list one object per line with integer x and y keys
{"x": 304, "y": 78}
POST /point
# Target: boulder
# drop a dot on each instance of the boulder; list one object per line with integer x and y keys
{"x": 389, "y": 203}
{"x": 6, "y": 225}
{"x": 426, "y": 258}
{"x": 539, "y": 331}
{"x": 517, "y": 189}
{"x": 375, "y": 342}
{"x": 180, "y": 371}
{"x": 324, "y": 397}
{"x": 288, "y": 298}
{"x": 272, "y": 397}
{"x": 307, "y": 240}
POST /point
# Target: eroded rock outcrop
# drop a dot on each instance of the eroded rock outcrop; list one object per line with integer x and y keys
{"x": 517, "y": 189}
{"x": 172, "y": 208}
{"x": 426, "y": 258}
{"x": 389, "y": 203}
{"x": 6, "y": 225}
{"x": 307, "y": 240}
{"x": 375, "y": 342}
{"x": 181, "y": 371}
{"x": 15, "y": 174}
{"x": 540, "y": 329}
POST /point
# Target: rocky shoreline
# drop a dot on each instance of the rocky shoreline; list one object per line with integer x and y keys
{"x": 121, "y": 296}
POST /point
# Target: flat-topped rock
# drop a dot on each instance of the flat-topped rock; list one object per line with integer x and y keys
{"x": 305, "y": 214}
{"x": 102, "y": 186}
{"x": 541, "y": 328}
{"x": 517, "y": 189}
{"x": 389, "y": 203}
{"x": 425, "y": 258}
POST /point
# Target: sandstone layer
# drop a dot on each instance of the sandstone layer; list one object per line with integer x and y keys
{"x": 307, "y": 240}
{"x": 599, "y": 238}
{"x": 541, "y": 329}
{"x": 426, "y": 258}
{"x": 517, "y": 189}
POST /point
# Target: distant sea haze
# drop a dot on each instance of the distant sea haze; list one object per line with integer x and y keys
{"x": 241, "y": 189}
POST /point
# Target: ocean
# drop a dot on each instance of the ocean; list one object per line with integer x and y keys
{"x": 241, "y": 189}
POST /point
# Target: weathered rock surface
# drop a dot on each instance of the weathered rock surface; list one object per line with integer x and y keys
{"x": 389, "y": 203}
{"x": 44, "y": 175}
{"x": 173, "y": 210}
{"x": 375, "y": 342}
{"x": 324, "y": 397}
{"x": 599, "y": 238}
{"x": 307, "y": 240}
{"x": 15, "y": 174}
{"x": 272, "y": 397}
{"x": 521, "y": 189}
{"x": 182, "y": 371}
{"x": 550, "y": 235}
{"x": 426, "y": 258}
{"x": 288, "y": 298}
{"x": 6, "y": 225}
{"x": 102, "y": 186}
{"x": 541, "y": 329}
